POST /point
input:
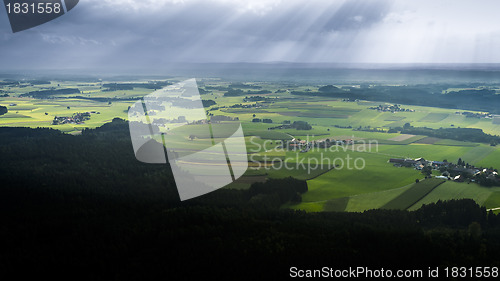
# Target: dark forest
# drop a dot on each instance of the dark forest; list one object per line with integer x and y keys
{"x": 83, "y": 208}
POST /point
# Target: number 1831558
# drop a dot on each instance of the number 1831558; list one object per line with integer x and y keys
{"x": 34, "y": 8}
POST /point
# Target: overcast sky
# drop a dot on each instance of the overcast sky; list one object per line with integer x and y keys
{"x": 152, "y": 33}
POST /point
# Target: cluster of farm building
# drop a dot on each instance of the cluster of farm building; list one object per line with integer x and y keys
{"x": 460, "y": 172}
{"x": 479, "y": 115}
{"x": 391, "y": 108}
{"x": 77, "y": 118}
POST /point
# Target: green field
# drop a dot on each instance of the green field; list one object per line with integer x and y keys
{"x": 493, "y": 201}
{"x": 271, "y": 135}
{"x": 378, "y": 175}
{"x": 491, "y": 160}
{"x": 434, "y": 117}
{"x": 410, "y": 197}
{"x": 336, "y": 205}
{"x": 363, "y": 202}
{"x": 31, "y": 112}
{"x": 413, "y": 194}
{"x": 430, "y": 152}
{"x": 455, "y": 143}
{"x": 394, "y": 118}
{"x": 477, "y": 154}
{"x": 453, "y": 190}
{"x": 307, "y": 206}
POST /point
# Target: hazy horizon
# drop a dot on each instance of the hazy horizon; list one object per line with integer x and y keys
{"x": 304, "y": 73}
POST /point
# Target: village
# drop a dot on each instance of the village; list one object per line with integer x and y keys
{"x": 460, "y": 172}
{"x": 77, "y": 118}
{"x": 391, "y": 108}
{"x": 240, "y": 106}
{"x": 480, "y": 115}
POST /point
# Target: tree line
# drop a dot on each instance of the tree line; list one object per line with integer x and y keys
{"x": 154, "y": 85}
{"x": 460, "y": 134}
{"x": 424, "y": 95}
{"x": 3, "y": 110}
{"x": 48, "y": 93}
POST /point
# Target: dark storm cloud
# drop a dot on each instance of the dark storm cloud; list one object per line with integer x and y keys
{"x": 149, "y": 33}
{"x": 110, "y": 33}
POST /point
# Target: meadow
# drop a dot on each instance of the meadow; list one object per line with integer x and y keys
{"x": 412, "y": 195}
{"x": 453, "y": 190}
